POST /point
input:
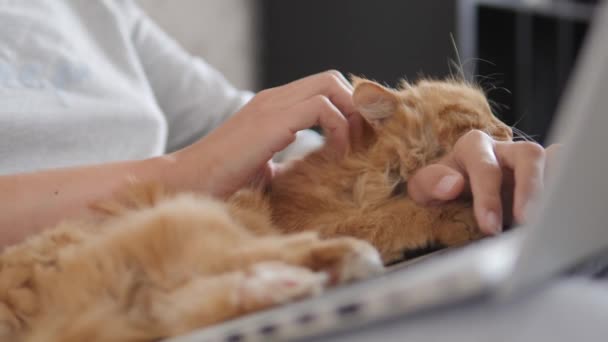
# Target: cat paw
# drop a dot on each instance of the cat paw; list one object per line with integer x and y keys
{"x": 347, "y": 259}
{"x": 271, "y": 283}
{"x": 459, "y": 226}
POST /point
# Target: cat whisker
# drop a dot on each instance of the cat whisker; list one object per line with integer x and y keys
{"x": 499, "y": 88}
{"x": 459, "y": 75}
{"x": 476, "y": 59}
{"x": 488, "y": 77}
{"x": 489, "y": 83}
{"x": 497, "y": 107}
{"x": 522, "y": 135}
{"x": 488, "y": 80}
{"x": 519, "y": 120}
{"x": 518, "y": 134}
{"x": 457, "y": 63}
{"x": 495, "y": 74}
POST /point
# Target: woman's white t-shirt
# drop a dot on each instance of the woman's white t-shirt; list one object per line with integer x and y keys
{"x": 85, "y": 82}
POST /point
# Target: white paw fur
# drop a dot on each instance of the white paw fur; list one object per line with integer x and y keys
{"x": 276, "y": 282}
{"x": 366, "y": 262}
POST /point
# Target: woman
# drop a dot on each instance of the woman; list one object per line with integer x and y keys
{"x": 94, "y": 94}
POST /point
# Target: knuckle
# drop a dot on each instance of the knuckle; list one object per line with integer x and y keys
{"x": 476, "y": 135}
{"x": 334, "y": 73}
{"x": 489, "y": 167}
{"x": 323, "y": 104}
{"x": 469, "y": 139}
{"x": 322, "y": 101}
{"x": 486, "y": 166}
{"x": 532, "y": 150}
{"x": 332, "y": 77}
{"x": 328, "y": 111}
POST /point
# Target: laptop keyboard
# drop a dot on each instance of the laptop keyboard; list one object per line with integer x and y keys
{"x": 390, "y": 294}
{"x": 595, "y": 268}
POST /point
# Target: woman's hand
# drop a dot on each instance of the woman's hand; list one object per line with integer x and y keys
{"x": 220, "y": 163}
{"x": 240, "y": 150}
{"x": 502, "y": 177}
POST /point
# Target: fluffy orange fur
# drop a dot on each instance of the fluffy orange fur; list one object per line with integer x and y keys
{"x": 162, "y": 264}
{"x": 364, "y": 194}
{"x": 164, "y": 267}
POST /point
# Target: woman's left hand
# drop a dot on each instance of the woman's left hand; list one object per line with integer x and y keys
{"x": 502, "y": 177}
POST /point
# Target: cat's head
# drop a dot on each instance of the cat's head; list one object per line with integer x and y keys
{"x": 419, "y": 123}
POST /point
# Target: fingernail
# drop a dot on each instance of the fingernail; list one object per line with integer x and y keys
{"x": 492, "y": 222}
{"x": 445, "y": 185}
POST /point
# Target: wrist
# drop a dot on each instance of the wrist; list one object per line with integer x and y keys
{"x": 184, "y": 170}
{"x": 161, "y": 169}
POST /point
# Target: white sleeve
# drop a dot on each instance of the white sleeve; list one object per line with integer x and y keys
{"x": 194, "y": 97}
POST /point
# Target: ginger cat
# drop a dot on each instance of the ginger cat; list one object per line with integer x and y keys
{"x": 163, "y": 264}
{"x": 364, "y": 194}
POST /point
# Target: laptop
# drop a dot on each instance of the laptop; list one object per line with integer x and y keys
{"x": 570, "y": 226}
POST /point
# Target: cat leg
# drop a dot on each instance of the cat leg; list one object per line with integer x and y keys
{"x": 344, "y": 258}
{"x": 456, "y": 225}
{"x": 403, "y": 226}
{"x": 154, "y": 313}
{"x": 207, "y": 301}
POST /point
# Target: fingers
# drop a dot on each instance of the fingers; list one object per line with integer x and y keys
{"x": 330, "y": 84}
{"x": 527, "y": 160}
{"x": 319, "y": 110}
{"x": 435, "y": 183}
{"x": 495, "y": 171}
{"x": 355, "y": 124}
{"x": 485, "y": 178}
{"x": 328, "y": 91}
{"x": 341, "y": 77}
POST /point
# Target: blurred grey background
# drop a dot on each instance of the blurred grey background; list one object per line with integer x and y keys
{"x": 223, "y": 32}
{"x": 520, "y": 51}
{"x": 262, "y": 43}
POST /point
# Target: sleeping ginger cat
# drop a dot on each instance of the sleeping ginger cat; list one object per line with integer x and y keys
{"x": 166, "y": 264}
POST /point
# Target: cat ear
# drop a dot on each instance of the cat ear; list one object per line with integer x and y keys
{"x": 374, "y": 101}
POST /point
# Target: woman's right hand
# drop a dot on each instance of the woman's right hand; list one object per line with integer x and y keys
{"x": 240, "y": 149}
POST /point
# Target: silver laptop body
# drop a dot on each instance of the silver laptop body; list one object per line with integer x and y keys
{"x": 570, "y": 225}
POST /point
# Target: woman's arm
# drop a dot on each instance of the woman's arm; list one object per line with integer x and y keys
{"x": 219, "y": 164}
{"x": 33, "y": 201}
